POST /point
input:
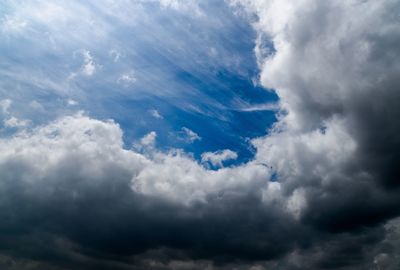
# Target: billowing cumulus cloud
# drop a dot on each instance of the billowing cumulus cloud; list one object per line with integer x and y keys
{"x": 336, "y": 139}
{"x": 81, "y": 195}
{"x": 321, "y": 192}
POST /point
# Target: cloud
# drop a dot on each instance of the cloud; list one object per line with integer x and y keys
{"x": 36, "y": 106}
{"x": 15, "y": 122}
{"x": 115, "y": 54}
{"x": 186, "y": 181}
{"x": 9, "y": 120}
{"x": 192, "y": 7}
{"x": 149, "y": 139}
{"x": 12, "y": 25}
{"x": 5, "y": 106}
{"x": 188, "y": 135}
{"x": 174, "y": 66}
{"x": 127, "y": 79}
{"x": 321, "y": 192}
{"x": 89, "y": 66}
{"x": 335, "y": 142}
{"x": 156, "y": 114}
{"x": 76, "y": 186}
{"x": 217, "y": 158}
{"x": 259, "y": 107}
{"x": 71, "y": 102}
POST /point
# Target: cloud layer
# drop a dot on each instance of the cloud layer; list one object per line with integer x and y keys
{"x": 322, "y": 191}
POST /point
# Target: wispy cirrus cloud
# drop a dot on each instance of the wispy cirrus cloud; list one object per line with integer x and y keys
{"x": 101, "y": 53}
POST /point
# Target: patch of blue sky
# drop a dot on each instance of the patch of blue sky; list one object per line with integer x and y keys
{"x": 147, "y": 66}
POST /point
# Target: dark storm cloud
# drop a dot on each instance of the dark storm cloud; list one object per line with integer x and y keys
{"x": 336, "y": 147}
{"x": 67, "y": 203}
{"x": 67, "y": 200}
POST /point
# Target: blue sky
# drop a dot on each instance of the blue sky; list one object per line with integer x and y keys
{"x": 149, "y": 66}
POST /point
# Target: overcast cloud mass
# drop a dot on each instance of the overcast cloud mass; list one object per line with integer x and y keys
{"x": 172, "y": 134}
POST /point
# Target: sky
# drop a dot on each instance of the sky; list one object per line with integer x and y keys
{"x": 188, "y": 134}
{"x": 191, "y": 78}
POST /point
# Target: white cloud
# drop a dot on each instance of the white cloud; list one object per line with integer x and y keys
{"x": 259, "y": 107}
{"x": 95, "y": 146}
{"x": 319, "y": 155}
{"x": 188, "y": 135}
{"x": 5, "y": 105}
{"x": 127, "y": 78}
{"x": 12, "y": 24}
{"x": 115, "y": 54}
{"x": 184, "y": 180}
{"x": 149, "y": 139}
{"x": 14, "y": 122}
{"x": 91, "y": 147}
{"x": 9, "y": 120}
{"x": 34, "y": 104}
{"x": 89, "y": 66}
{"x": 72, "y": 102}
{"x": 156, "y": 114}
{"x": 190, "y": 6}
{"x": 217, "y": 158}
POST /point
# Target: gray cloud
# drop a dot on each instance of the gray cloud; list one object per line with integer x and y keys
{"x": 67, "y": 199}
{"x": 336, "y": 142}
